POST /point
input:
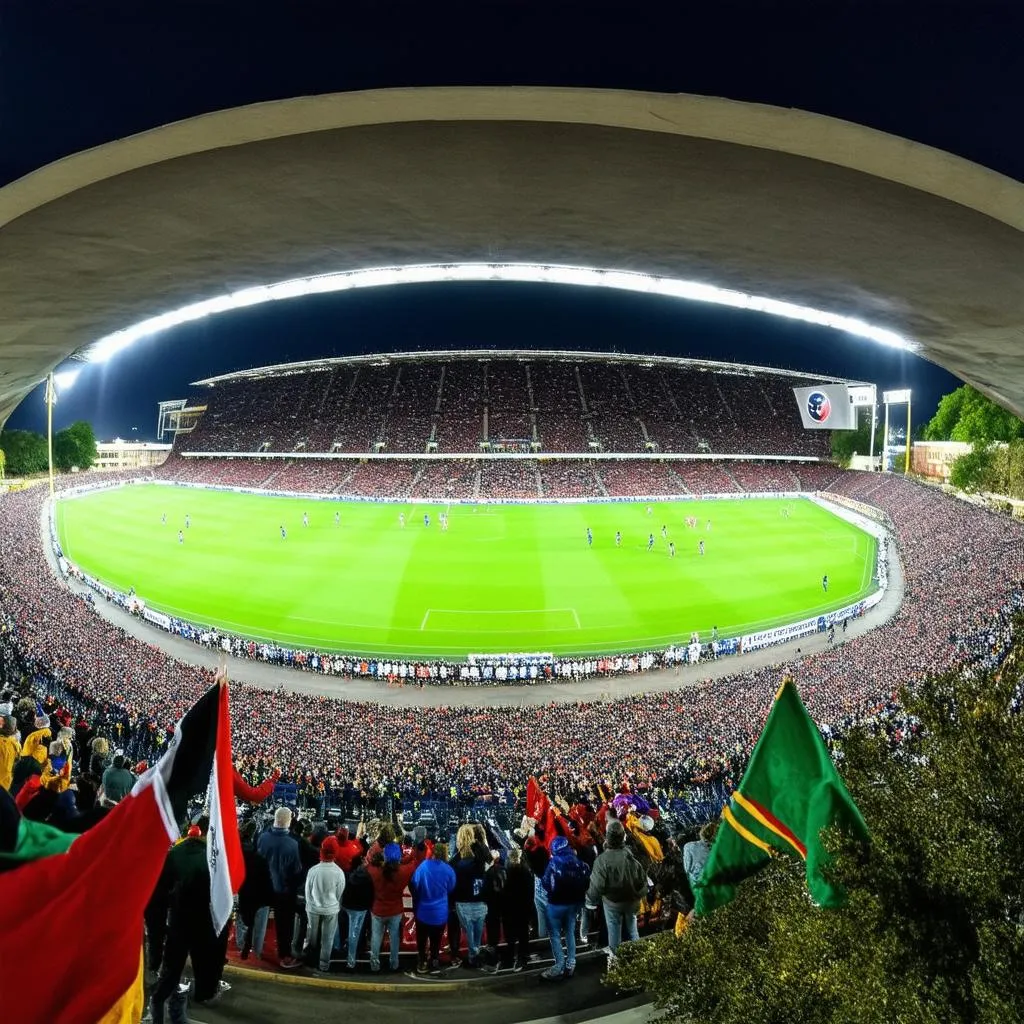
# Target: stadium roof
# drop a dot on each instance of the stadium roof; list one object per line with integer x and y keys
{"x": 481, "y": 355}
{"x": 768, "y": 201}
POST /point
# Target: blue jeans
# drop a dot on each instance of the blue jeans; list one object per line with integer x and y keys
{"x": 472, "y": 917}
{"x": 393, "y": 925}
{"x": 621, "y": 921}
{"x": 356, "y": 920}
{"x": 540, "y": 902}
{"x": 562, "y": 918}
{"x": 259, "y": 931}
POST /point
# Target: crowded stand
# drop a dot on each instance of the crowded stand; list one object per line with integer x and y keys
{"x": 455, "y": 480}
{"x": 626, "y": 477}
{"x": 446, "y": 480}
{"x": 454, "y": 403}
{"x": 552, "y": 789}
{"x": 502, "y": 479}
{"x": 570, "y": 478}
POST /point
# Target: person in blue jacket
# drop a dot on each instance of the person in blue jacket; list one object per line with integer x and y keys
{"x": 431, "y": 884}
{"x": 565, "y": 880}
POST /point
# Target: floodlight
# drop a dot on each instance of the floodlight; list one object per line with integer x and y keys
{"x": 376, "y": 277}
{"x": 65, "y": 379}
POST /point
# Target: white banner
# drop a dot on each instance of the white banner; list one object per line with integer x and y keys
{"x": 826, "y": 407}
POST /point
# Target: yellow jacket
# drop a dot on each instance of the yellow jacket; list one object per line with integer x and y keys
{"x": 10, "y": 751}
{"x": 37, "y": 746}
{"x": 56, "y": 781}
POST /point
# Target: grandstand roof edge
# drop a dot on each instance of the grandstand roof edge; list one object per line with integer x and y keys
{"x": 315, "y": 365}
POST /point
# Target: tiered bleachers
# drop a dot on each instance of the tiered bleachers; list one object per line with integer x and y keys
{"x": 764, "y": 476}
{"x": 313, "y": 476}
{"x": 508, "y": 402}
{"x": 556, "y": 398}
{"x": 642, "y": 476}
{"x": 569, "y": 479}
{"x": 452, "y": 479}
{"x": 815, "y": 476}
{"x": 411, "y": 411}
{"x": 382, "y": 478}
{"x": 508, "y": 478}
{"x": 460, "y": 427}
{"x": 391, "y": 404}
{"x": 220, "y": 472}
{"x": 706, "y": 477}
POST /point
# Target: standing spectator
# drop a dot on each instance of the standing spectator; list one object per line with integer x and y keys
{"x": 99, "y": 753}
{"x": 494, "y": 885}
{"x": 565, "y": 881}
{"x": 619, "y": 881}
{"x": 470, "y": 870}
{"x": 695, "y": 854}
{"x": 325, "y": 885}
{"x": 190, "y": 935}
{"x": 10, "y": 751}
{"x": 117, "y": 780}
{"x": 281, "y": 851}
{"x": 431, "y": 884}
{"x": 390, "y": 875}
{"x": 254, "y": 897}
{"x": 516, "y": 897}
{"x": 356, "y": 901}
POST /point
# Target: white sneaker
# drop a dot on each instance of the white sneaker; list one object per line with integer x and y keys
{"x": 224, "y": 986}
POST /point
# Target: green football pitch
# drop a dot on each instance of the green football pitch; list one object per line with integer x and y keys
{"x": 502, "y": 578}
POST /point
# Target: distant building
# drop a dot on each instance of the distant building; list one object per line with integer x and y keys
{"x": 120, "y": 454}
{"x": 934, "y": 459}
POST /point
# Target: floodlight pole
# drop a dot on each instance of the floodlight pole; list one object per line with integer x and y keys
{"x": 885, "y": 437}
{"x": 49, "y": 426}
{"x": 906, "y": 465}
{"x": 874, "y": 420}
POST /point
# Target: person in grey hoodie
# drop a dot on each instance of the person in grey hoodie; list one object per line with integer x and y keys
{"x": 619, "y": 881}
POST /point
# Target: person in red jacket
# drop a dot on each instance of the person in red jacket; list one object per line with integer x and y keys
{"x": 390, "y": 873}
{"x": 253, "y": 794}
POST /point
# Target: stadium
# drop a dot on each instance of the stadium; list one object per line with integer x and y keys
{"x": 425, "y": 640}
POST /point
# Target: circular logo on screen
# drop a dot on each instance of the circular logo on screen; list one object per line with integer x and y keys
{"x": 819, "y": 408}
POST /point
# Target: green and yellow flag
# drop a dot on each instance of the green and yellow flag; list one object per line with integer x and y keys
{"x": 790, "y": 792}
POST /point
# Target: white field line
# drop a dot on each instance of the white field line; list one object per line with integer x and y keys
{"x": 423, "y": 624}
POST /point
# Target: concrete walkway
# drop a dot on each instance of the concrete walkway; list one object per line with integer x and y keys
{"x": 273, "y": 677}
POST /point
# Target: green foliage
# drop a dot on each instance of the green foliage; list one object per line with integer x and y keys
{"x": 967, "y": 415}
{"x": 974, "y": 470}
{"x": 75, "y": 446}
{"x": 933, "y": 929}
{"x": 847, "y": 443}
{"x": 25, "y": 452}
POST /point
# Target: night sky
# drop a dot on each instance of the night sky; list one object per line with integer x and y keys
{"x": 77, "y": 74}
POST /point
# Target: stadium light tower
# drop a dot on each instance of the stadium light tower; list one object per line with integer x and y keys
{"x": 64, "y": 381}
{"x": 896, "y": 398}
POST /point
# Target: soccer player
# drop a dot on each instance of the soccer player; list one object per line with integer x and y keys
{"x": 701, "y": 547}
{"x": 426, "y": 518}
{"x": 671, "y": 550}
{"x": 337, "y": 518}
{"x": 401, "y": 520}
{"x": 443, "y": 517}
{"x": 188, "y": 521}
{"x": 305, "y": 519}
{"x": 163, "y": 519}
{"x": 650, "y": 542}
{"x": 618, "y": 538}
{"x": 824, "y": 583}
{"x": 283, "y": 532}
{"x": 648, "y": 509}
{"x": 590, "y": 538}
{"x": 664, "y": 533}
{"x": 709, "y": 526}
{"x": 181, "y": 537}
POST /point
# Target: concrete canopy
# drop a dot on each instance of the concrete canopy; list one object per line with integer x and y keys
{"x": 776, "y": 202}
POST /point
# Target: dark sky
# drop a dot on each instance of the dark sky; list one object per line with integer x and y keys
{"x": 76, "y": 74}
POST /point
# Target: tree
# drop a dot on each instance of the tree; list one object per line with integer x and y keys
{"x": 847, "y": 443}
{"x": 934, "y": 927}
{"x": 75, "y": 446}
{"x": 25, "y": 452}
{"x": 967, "y": 415}
{"x": 975, "y": 470}
{"x": 3, "y": 464}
